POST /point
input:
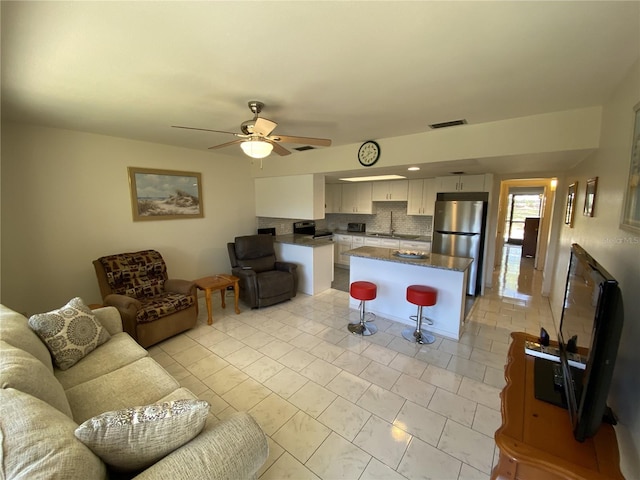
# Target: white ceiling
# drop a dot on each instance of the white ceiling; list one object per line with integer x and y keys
{"x": 345, "y": 70}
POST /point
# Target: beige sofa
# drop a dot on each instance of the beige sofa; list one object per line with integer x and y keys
{"x": 42, "y": 406}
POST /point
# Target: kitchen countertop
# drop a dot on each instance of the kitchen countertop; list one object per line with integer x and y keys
{"x": 303, "y": 240}
{"x": 433, "y": 260}
{"x": 400, "y": 236}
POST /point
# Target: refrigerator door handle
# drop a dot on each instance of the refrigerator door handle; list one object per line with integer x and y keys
{"x": 467, "y": 234}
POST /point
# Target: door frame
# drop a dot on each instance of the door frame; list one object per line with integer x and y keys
{"x": 545, "y": 217}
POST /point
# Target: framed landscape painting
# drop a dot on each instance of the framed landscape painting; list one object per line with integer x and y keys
{"x": 164, "y": 194}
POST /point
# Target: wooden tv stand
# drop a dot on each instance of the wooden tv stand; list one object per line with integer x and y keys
{"x": 536, "y": 439}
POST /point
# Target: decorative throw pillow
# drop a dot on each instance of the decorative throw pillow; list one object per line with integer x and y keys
{"x": 137, "y": 437}
{"x": 70, "y": 333}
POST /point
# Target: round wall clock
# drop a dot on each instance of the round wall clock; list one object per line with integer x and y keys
{"x": 369, "y": 153}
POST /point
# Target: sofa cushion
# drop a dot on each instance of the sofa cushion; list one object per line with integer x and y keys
{"x": 140, "y": 383}
{"x": 33, "y": 448}
{"x": 119, "y": 351}
{"x": 22, "y": 371}
{"x": 70, "y": 332}
{"x": 136, "y": 437}
{"x": 14, "y": 329}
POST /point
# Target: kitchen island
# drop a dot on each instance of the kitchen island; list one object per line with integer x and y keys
{"x": 314, "y": 257}
{"x": 393, "y": 274}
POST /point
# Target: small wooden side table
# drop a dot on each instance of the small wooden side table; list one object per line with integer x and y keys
{"x": 218, "y": 282}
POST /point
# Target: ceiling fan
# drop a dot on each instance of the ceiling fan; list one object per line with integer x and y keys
{"x": 256, "y": 139}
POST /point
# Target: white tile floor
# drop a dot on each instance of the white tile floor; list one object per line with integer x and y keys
{"x": 338, "y": 406}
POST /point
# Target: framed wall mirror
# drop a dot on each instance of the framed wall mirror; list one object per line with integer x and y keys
{"x": 590, "y": 196}
{"x": 570, "y": 208}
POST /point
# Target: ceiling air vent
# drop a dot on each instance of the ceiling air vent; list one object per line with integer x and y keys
{"x": 306, "y": 147}
{"x": 452, "y": 123}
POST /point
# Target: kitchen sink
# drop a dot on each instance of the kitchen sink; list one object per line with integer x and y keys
{"x": 395, "y": 235}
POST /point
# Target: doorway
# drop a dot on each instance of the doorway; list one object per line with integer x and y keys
{"x": 521, "y": 199}
{"x": 520, "y": 206}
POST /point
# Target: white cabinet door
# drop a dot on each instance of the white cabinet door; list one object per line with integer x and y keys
{"x": 333, "y": 198}
{"x": 429, "y": 193}
{"x": 371, "y": 242}
{"x": 365, "y": 202}
{"x": 356, "y": 198}
{"x": 342, "y": 243}
{"x": 398, "y": 190}
{"x": 382, "y": 242}
{"x": 461, "y": 183}
{"x": 472, "y": 183}
{"x": 393, "y": 191}
{"x": 390, "y": 243}
{"x": 357, "y": 241}
{"x": 422, "y": 197}
{"x": 415, "y": 246}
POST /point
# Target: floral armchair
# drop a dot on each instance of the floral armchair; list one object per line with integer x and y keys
{"x": 152, "y": 306}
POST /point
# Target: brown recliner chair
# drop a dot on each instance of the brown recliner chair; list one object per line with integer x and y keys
{"x": 152, "y": 306}
{"x": 264, "y": 281}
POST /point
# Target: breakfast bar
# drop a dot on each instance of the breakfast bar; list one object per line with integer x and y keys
{"x": 393, "y": 273}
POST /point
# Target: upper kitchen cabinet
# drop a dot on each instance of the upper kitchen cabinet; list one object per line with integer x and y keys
{"x": 422, "y": 197}
{"x": 356, "y": 198}
{"x": 274, "y": 194}
{"x": 461, "y": 183}
{"x": 392, "y": 191}
{"x": 333, "y": 198}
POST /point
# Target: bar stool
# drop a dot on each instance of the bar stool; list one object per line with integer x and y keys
{"x": 422, "y": 296}
{"x": 363, "y": 291}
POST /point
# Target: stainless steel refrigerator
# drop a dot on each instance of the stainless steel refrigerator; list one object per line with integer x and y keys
{"x": 458, "y": 231}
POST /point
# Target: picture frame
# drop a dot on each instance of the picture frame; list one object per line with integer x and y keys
{"x": 570, "y": 207}
{"x": 164, "y": 194}
{"x": 590, "y": 196}
{"x": 631, "y": 206}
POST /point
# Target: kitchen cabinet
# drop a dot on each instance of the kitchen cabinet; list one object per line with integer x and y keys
{"x": 415, "y": 246}
{"x": 332, "y": 198}
{"x": 392, "y": 191}
{"x": 356, "y": 198}
{"x": 422, "y": 197}
{"x": 381, "y": 242}
{"x": 342, "y": 243}
{"x": 461, "y": 183}
{"x": 273, "y": 197}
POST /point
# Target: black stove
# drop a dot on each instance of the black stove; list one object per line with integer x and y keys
{"x": 309, "y": 228}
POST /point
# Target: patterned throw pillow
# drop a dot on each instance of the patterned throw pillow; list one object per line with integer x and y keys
{"x": 70, "y": 333}
{"x": 136, "y": 438}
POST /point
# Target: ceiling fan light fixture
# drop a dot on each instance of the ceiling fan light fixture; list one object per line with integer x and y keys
{"x": 256, "y": 148}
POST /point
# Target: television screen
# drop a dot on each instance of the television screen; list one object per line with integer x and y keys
{"x": 588, "y": 337}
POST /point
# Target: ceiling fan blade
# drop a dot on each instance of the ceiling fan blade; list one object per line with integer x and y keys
{"x": 222, "y": 145}
{"x": 320, "y": 142}
{"x": 279, "y": 149}
{"x": 207, "y": 130}
{"x": 264, "y": 126}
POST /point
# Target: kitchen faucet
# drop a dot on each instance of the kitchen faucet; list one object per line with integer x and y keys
{"x": 391, "y": 222}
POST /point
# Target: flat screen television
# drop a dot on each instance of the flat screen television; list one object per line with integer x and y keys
{"x": 590, "y": 325}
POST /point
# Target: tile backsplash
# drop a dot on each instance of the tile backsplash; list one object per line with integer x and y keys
{"x": 378, "y": 222}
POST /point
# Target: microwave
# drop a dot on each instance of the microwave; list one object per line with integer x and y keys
{"x": 356, "y": 227}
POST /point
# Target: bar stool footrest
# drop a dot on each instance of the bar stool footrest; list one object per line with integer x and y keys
{"x": 418, "y": 336}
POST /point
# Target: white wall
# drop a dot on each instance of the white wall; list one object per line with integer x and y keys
{"x": 66, "y": 202}
{"x": 617, "y": 250}
{"x": 550, "y": 132}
